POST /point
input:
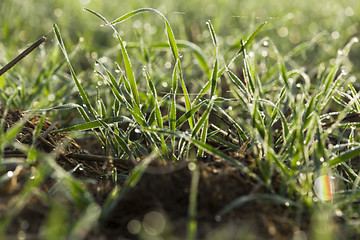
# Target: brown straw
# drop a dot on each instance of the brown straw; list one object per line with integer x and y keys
{"x": 22, "y": 55}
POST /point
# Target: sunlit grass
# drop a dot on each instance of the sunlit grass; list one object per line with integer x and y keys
{"x": 279, "y": 90}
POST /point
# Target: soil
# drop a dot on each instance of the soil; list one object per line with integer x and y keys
{"x": 157, "y": 204}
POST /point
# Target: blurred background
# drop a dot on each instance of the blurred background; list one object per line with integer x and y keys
{"x": 315, "y": 30}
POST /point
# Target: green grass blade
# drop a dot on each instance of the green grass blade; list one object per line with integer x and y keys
{"x": 203, "y": 118}
{"x": 68, "y": 106}
{"x": 214, "y": 79}
{"x": 170, "y": 34}
{"x": 188, "y": 114}
{"x": 126, "y": 59}
{"x": 186, "y": 96}
{"x": 73, "y": 74}
{"x": 251, "y": 38}
{"x": 345, "y": 156}
{"x": 95, "y": 124}
{"x": 238, "y": 83}
{"x": 212, "y": 33}
{"x": 86, "y": 222}
{"x": 172, "y": 111}
{"x": 192, "y": 210}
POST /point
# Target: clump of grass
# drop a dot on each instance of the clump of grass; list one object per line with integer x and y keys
{"x": 283, "y": 114}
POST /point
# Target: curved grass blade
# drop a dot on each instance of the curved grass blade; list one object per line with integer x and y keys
{"x": 188, "y": 114}
{"x": 95, "y": 124}
{"x": 72, "y": 71}
{"x": 67, "y": 106}
{"x": 126, "y": 59}
{"x": 173, "y": 47}
{"x": 251, "y": 38}
{"x": 345, "y": 156}
{"x": 243, "y": 136}
{"x": 169, "y": 31}
{"x": 158, "y": 116}
{"x": 203, "y": 118}
{"x": 192, "y": 209}
{"x": 186, "y": 45}
{"x": 172, "y": 110}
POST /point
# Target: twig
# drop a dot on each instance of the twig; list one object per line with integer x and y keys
{"x": 22, "y": 55}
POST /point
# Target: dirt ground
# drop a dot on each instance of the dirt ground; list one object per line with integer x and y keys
{"x": 157, "y": 207}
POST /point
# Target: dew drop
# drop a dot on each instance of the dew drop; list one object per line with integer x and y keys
{"x": 344, "y": 72}
{"x": 338, "y": 213}
{"x": 192, "y": 166}
{"x": 323, "y": 188}
{"x": 10, "y": 173}
{"x": 218, "y": 218}
{"x": 335, "y": 35}
{"x": 167, "y": 65}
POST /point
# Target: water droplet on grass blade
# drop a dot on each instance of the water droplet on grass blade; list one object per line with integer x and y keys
{"x": 218, "y": 218}
{"x": 324, "y": 188}
{"x": 343, "y": 71}
{"x": 10, "y": 173}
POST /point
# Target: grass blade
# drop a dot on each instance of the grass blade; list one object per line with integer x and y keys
{"x": 345, "y": 156}
{"x": 73, "y": 74}
{"x": 126, "y": 59}
{"x": 95, "y": 124}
